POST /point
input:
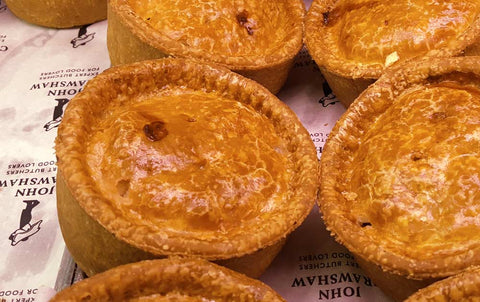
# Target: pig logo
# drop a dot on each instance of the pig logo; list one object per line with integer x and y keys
{"x": 27, "y": 229}
{"x": 57, "y": 114}
{"x": 83, "y": 37}
{"x": 328, "y": 97}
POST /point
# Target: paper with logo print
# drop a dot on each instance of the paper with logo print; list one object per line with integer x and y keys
{"x": 312, "y": 266}
{"x": 40, "y": 71}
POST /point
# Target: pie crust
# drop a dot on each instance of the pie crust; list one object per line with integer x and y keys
{"x": 173, "y": 157}
{"x": 399, "y": 174}
{"x": 169, "y": 279}
{"x": 462, "y": 287}
{"x": 353, "y": 41}
{"x": 258, "y": 39}
{"x": 59, "y": 13}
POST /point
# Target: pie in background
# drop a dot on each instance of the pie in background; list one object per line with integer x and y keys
{"x": 354, "y": 41}
{"x": 59, "y": 13}
{"x": 258, "y": 39}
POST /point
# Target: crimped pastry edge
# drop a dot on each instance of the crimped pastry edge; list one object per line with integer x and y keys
{"x": 464, "y": 286}
{"x": 186, "y": 276}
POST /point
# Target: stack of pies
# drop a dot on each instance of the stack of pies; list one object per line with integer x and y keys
{"x": 173, "y": 157}
{"x": 354, "y": 41}
{"x": 59, "y": 13}
{"x": 400, "y": 174}
{"x": 258, "y": 39}
{"x": 173, "y": 279}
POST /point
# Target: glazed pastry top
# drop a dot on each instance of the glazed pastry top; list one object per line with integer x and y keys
{"x": 234, "y": 28}
{"x": 370, "y": 35}
{"x": 374, "y": 31}
{"x": 415, "y": 182}
{"x": 190, "y": 161}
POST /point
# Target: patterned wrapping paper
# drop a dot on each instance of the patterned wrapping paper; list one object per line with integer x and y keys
{"x": 40, "y": 71}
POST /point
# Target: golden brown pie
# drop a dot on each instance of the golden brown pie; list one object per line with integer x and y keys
{"x": 258, "y": 39}
{"x": 462, "y": 287}
{"x": 400, "y": 174}
{"x": 172, "y": 157}
{"x": 59, "y": 13}
{"x": 353, "y": 41}
{"x": 170, "y": 279}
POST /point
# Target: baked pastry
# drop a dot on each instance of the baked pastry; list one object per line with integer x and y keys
{"x": 258, "y": 39}
{"x": 353, "y": 41}
{"x": 462, "y": 287}
{"x": 172, "y": 157}
{"x": 400, "y": 174}
{"x": 59, "y": 13}
{"x": 172, "y": 279}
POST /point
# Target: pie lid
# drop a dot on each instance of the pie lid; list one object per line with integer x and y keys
{"x": 176, "y": 157}
{"x": 462, "y": 287}
{"x": 169, "y": 279}
{"x": 246, "y": 35}
{"x": 359, "y": 39}
{"x": 398, "y": 172}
